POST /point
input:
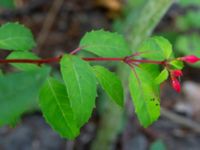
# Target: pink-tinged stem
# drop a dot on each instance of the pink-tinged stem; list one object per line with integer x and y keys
{"x": 31, "y": 61}
{"x": 75, "y": 51}
{"x": 57, "y": 59}
{"x": 53, "y": 60}
{"x": 103, "y": 59}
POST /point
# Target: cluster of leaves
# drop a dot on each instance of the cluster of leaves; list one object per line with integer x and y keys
{"x": 68, "y": 104}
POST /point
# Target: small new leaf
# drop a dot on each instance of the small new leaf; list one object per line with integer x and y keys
{"x": 110, "y": 83}
{"x": 105, "y": 44}
{"x": 176, "y": 64}
{"x": 162, "y": 76}
{"x": 14, "y": 36}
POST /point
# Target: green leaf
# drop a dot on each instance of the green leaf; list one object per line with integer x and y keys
{"x": 14, "y": 36}
{"x": 152, "y": 69}
{"x": 176, "y": 64}
{"x": 55, "y": 106}
{"x": 23, "y": 55}
{"x": 7, "y": 3}
{"x": 145, "y": 96}
{"x": 80, "y": 83}
{"x": 19, "y": 92}
{"x": 105, "y": 44}
{"x": 158, "y": 145}
{"x": 110, "y": 83}
{"x": 162, "y": 76}
{"x": 156, "y": 48}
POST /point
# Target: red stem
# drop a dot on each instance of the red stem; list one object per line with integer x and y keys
{"x": 75, "y": 51}
{"x": 57, "y": 59}
{"x": 31, "y": 61}
{"x": 126, "y": 59}
{"x": 103, "y": 59}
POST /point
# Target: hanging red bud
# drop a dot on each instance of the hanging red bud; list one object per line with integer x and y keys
{"x": 177, "y": 73}
{"x": 190, "y": 59}
{"x": 176, "y": 84}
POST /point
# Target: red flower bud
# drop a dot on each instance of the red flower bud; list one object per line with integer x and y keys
{"x": 176, "y": 84}
{"x": 177, "y": 73}
{"x": 190, "y": 59}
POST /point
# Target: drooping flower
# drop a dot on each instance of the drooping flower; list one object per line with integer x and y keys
{"x": 176, "y": 84}
{"x": 190, "y": 59}
{"x": 176, "y": 73}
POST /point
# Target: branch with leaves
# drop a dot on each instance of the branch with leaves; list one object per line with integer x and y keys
{"x": 68, "y": 104}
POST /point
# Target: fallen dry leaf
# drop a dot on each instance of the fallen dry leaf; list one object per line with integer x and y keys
{"x": 114, "y": 7}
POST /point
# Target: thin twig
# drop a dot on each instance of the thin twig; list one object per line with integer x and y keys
{"x": 23, "y": 11}
{"x": 57, "y": 59}
{"x": 75, "y": 51}
{"x": 48, "y": 22}
{"x": 180, "y": 120}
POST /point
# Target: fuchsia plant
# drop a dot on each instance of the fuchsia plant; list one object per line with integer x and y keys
{"x": 129, "y": 60}
{"x": 67, "y": 104}
{"x": 176, "y": 84}
{"x": 190, "y": 59}
{"x": 174, "y": 81}
{"x": 175, "y": 74}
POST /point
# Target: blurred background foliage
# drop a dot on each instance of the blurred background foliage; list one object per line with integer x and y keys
{"x": 9, "y": 4}
{"x": 184, "y": 32}
{"x": 68, "y": 21}
{"x": 182, "y": 29}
